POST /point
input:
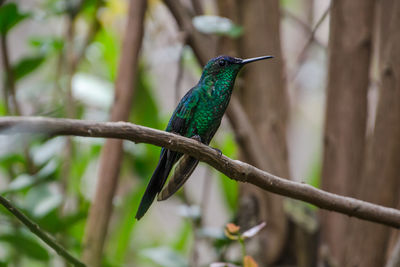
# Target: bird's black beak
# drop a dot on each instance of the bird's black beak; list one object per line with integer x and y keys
{"x": 249, "y": 60}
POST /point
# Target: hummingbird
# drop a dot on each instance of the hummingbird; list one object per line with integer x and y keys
{"x": 198, "y": 116}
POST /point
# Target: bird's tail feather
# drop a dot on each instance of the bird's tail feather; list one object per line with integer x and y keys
{"x": 183, "y": 170}
{"x": 157, "y": 181}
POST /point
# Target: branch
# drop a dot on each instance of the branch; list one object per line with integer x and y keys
{"x": 10, "y": 80}
{"x": 40, "y": 233}
{"x": 310, "y": 40}
{"x": 234, "y": 169}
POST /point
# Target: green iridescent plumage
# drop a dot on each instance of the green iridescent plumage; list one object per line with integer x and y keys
{"x": 198, "y": 115}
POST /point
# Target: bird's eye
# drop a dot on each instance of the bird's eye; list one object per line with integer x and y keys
{"x": 222, "y": 63}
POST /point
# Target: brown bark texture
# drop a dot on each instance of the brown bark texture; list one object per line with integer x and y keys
{"x": 346, "y": 111}
{"x": 110, "y": 159}
{"x": 264, "y": 99}
{"x": 383, "y": 155}
{"x": 235, "y": 169}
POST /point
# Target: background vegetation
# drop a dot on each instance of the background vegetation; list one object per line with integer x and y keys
{"x": 325, "y": 111}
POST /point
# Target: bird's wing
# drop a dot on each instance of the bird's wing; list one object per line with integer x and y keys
{"x": 178, "y": 123}
{"x": 182, "y": 171}
{"x": 183, "y": 113}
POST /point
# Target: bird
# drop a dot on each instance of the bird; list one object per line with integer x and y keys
{"x": 197, "y": 116}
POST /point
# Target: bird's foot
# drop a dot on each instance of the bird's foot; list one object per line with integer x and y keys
{"x": 196, "y": 137}
{"x": 219, "y": 151}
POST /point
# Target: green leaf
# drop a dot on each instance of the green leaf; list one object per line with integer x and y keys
{"x": 120, "y": 240}
{"x": 21, "y": 182}
{"x": 217, "y": 25}
{"x": 144, "y": 107}
{"x": 26, "y": 66}
{"x": 47, "y": 205}
{"x": 183, "y": 237}
{"x": 315, "y": 173}
{"x": 26, "y": 244}
{"x": 9, "y": 17}
{"x": 47, "y": 45}
{"x": 229, "y": 186}
{"x": 107, "y": 46}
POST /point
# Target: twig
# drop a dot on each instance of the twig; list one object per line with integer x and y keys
{"x": 234, "y": 169}
{"x": 39, "y": 232}
{"x": 10, "y": 80}
{"x": 306, "y": 28}
{"x": 179, "y": 75}
{"x": 309, "y": 41}
{"x": 197, "y": 7}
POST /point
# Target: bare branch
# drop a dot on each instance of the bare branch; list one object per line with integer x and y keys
{"x": 234, "y": 169}
{"x": 39, "y": 232}
{"x": 10, "y": 87}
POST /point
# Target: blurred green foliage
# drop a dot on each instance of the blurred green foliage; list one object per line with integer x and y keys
{"x": 53, "y": 188}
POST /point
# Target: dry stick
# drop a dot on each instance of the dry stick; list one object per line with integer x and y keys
{"x": 234, "y": 169}
{"x": 198, "y": 8}
{"x": 10, "y": 79}
{"x": 311, "y": 38}
{"x": 39, "y": 232}
{"x": 304, "y": 26}
{"x": 179, "y": 76}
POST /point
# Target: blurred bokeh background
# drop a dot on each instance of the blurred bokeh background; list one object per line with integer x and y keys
{"x": 325, "y": 111}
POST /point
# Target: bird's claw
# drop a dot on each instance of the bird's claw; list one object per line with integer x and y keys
{"x": 196, "y": 137}
{"x": 219, "y": 151}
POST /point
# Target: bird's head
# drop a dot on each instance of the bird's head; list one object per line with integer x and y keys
{"x": 226, "y": 67}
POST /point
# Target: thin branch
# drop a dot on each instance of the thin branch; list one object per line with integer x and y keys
{"x": 311, "y": 37}
{"x": 197, "y": 7}
{"x": 234, "y": 169}
{"x": 179, "y": 75}
{"x": 305, "y": 27}
{"x": 40, "y": 233}
{"x": 10, "y": 87}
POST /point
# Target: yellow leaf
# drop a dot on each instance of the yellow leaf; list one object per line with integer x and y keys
{"x": 232, "y": 228}
{"x": 232, "y": 231}
{"x": 248, "y": 261}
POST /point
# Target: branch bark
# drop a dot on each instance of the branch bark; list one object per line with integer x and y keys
{"x": 10, "y": 87}
{"x": 236, "y": 170}
{"x": 110, "y": 159}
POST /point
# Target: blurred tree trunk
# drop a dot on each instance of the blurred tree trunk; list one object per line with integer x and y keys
{"x": 346, "y": 112}
{"x": 381, "y": 179}
{"x": 264, "y": 99}
{"x": 110, "y": 159}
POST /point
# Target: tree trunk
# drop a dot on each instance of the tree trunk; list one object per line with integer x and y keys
{"x": 265, "y": 102}
{"x": 381, "y": 179}
{"x": 346, "y": 112}
{"x": 110, "y": 159}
